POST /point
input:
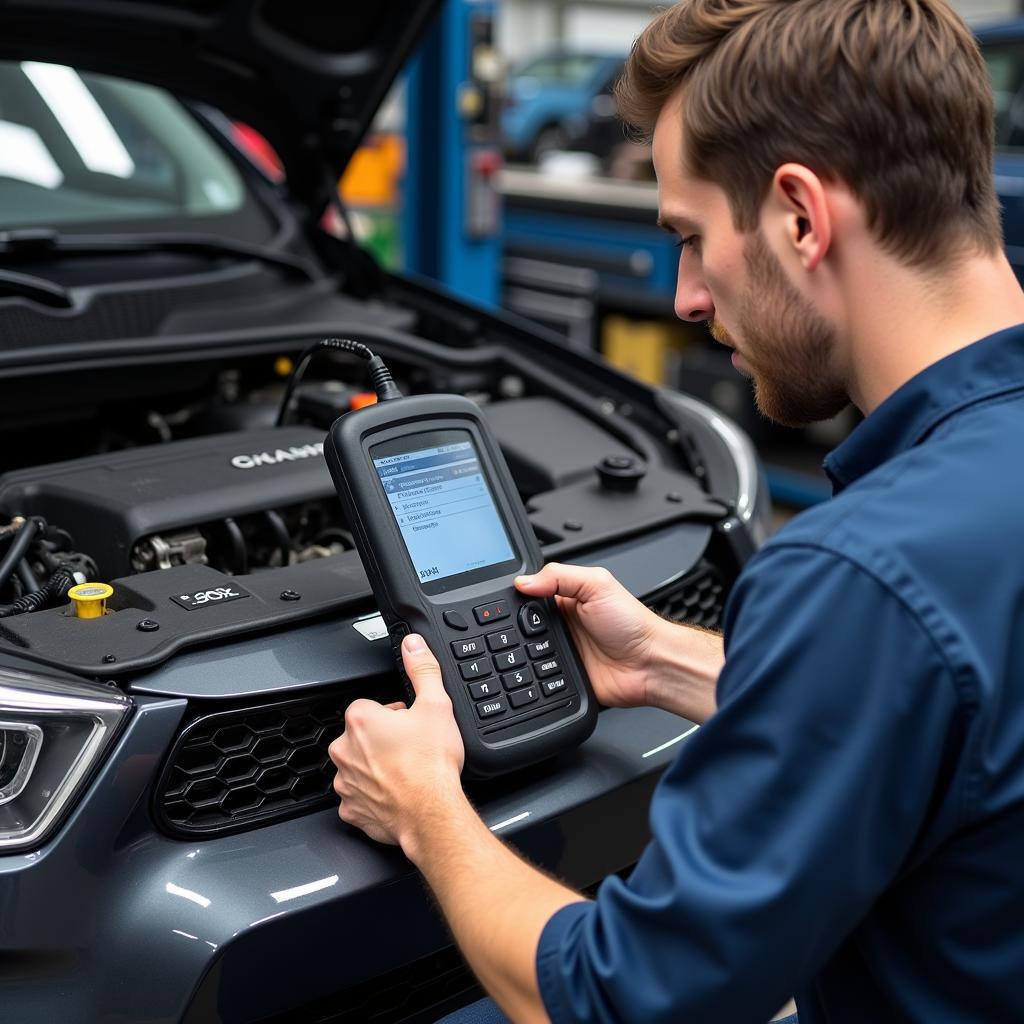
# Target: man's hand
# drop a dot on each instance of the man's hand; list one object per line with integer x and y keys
{"x": 395, "y": 763}
{"x": 398, "y": 779}
{"x": 632, "y": 656}
{"x": 613, "y": 632}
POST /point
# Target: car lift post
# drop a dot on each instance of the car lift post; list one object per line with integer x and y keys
{"x": 451, "y": 218}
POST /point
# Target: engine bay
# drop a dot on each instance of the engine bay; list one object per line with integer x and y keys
{"x": 229, "y": 515}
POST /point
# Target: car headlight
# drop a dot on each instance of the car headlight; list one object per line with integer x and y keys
{"x": 52, "y": 735}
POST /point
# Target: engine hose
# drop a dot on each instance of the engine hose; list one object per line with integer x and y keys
{"x": 239, "y": 554}
{"x": 57, "y": 586}
{"x": 284, "y": 542}
{"x": 31, "y": 529}
{"x": 28, "y": 579}
{"x": 335, "y": 534}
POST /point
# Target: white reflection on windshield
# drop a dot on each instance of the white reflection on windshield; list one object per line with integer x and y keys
{"x": 81, "y": 117}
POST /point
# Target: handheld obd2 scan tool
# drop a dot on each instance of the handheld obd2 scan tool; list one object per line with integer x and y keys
{"x": 442, "y": 533}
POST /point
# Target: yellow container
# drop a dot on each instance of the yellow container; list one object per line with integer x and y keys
{"x": 90, "y": 599}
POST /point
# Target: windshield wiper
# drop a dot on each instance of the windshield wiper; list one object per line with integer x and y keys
{"x": 30, "y": 245}
{"x": 38, "y": 289}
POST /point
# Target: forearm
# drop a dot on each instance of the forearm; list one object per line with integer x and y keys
{"x": 496, "y": 904}
{"x": 684, "y": 672}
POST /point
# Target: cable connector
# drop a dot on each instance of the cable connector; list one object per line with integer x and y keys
{"x": 382, "y": 381}
{"x": 380, "y": 376}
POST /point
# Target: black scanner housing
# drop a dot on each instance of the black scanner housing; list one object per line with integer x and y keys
{"x": 519, "y": 739}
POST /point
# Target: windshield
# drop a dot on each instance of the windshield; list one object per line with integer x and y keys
{"x": 81, "y": 151}
{"x": 568, "y": 69}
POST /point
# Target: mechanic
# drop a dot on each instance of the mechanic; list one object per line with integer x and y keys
{"x": 848, "y": 823}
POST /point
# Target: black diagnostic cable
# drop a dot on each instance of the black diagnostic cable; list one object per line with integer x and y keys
{"x": 380, "y": 376}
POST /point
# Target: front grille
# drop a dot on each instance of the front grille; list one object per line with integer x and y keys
{"x": 697, "y": 599}
{"x": 243, "y": 768}
{"x": 247, "y": 767}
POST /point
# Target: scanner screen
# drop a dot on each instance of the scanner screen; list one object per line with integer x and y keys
{"x": 444, "y": 509}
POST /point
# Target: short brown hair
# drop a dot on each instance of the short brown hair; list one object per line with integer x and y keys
{"x": 890, "y": 96}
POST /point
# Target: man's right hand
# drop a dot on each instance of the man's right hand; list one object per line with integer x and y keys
{"x": 632, "y": 656}
{"x": 613, "y": 632}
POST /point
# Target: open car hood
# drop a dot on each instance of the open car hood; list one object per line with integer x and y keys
{"x": 308, "y": 76}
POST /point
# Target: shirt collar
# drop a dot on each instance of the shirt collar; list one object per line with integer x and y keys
{"x": 982, "y": 370}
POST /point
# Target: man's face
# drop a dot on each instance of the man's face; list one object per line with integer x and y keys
{"x": 736, "y": 283}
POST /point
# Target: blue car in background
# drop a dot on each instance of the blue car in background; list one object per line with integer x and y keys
{"x": 1002, "y": 45}
{"x": 549, "y": 95}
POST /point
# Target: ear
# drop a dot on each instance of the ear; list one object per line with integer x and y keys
{"x": 797, "y": 203}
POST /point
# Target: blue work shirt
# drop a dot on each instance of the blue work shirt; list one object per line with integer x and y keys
{"x": 849, "y": 826}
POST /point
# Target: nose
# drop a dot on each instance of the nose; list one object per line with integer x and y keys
{"x": 693, "y": 299}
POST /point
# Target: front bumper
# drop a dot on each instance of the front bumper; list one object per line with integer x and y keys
{"x": 113, "y": 921}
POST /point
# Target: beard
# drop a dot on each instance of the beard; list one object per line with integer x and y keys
{"x": 786, "y": 343}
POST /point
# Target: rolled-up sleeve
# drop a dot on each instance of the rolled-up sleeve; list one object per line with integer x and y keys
{"x": 782, "y": 819}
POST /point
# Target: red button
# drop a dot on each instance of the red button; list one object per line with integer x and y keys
{"x": 491, "y": 612}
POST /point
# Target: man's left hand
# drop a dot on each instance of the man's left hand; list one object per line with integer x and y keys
{"x": 395, "y": 763}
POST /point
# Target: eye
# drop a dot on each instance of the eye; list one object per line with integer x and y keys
{"x": 689, "y": 242}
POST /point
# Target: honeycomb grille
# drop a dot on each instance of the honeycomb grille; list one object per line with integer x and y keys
{"x": 239, "y": 769}
{"x": 697, "y": 599}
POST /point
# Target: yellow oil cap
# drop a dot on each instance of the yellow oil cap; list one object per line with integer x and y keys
{"x": 90, "y": 599}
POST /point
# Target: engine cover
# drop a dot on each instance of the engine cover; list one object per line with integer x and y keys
{"x": 110, "y": 502}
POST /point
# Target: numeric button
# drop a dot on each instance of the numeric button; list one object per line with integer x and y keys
{"x": 486, "y": 689}
{"x": 521, "y": 697}
{"x": 551, "y": 667}
{"x": 532, "y": 619}
{"x": 468, "y": 648}
{"x": 475, "y": 669}
{"x": 540, "y": 649}
{"x": 513, "y": 680}
{"x": 500, "y": 640}
{"x": 491, "y": 707}
{"x": 510, "y": 659}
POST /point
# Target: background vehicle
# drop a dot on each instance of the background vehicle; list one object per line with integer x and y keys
{"x": 550, "y": 98}
{"x": 169, "y": 843}
{"x": 1002, "y": 45}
